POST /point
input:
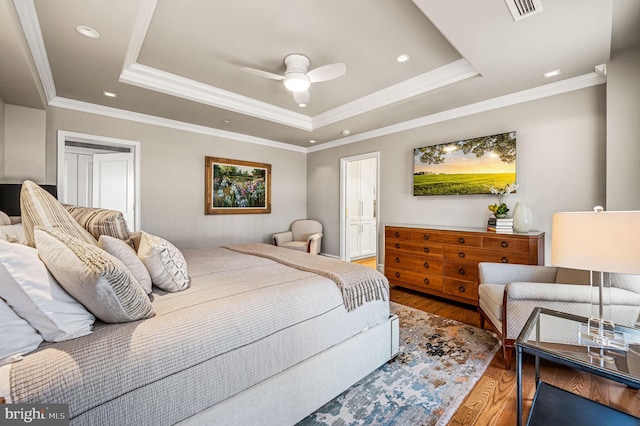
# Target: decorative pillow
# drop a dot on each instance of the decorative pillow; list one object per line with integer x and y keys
{"x": 128, "y": 256}
{"x": 100, "y": 221}
{"x": 39, "y": 208}
{"x": 18, "y": 337}
{"x": 4, "y": 219}
{"x": 13, "y": 233}
{"x": 165, "y": 263}
{"x": 34, "y": 294}
{"x": 102, "y": 283}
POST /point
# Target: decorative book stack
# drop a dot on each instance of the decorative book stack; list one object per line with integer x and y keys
{"x": 500, "y": 225}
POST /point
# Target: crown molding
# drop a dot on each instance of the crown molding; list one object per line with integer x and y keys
{"x": 165, "y": 122}
{"x": 557, "y": 88}
{"x": 140, "y": 28}
{"x": 434, "y": 79}
{"x": 175, "y": 85}
{"x": 28, "y": 17}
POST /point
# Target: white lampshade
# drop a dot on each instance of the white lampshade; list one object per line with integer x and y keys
{"x": 597, "y": 241}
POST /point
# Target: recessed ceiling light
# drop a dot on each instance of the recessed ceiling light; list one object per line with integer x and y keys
{"x": 550, "y": 74}
{"x": 403, "y": 58}
{"x": 225, "y": 121}
{"x": 87, "y": 31}
{"x": 109, "y": 94}
{"x": 312, "y": 141}
{"x": 346, "y": 132}
{"x": 302, "y": 105}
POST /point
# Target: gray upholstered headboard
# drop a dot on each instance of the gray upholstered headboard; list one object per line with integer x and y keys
{"x": 10, "y": 197}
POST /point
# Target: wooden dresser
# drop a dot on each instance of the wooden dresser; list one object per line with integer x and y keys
{"x": 444, "y": 261}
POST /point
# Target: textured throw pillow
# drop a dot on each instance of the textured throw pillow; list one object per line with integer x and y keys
{"x": 164, "y": 261}
{"x": 13, "y": 233}
{"x": 100, "y": 221}
{"x": 4, "y": 219}
{"x": 102, "y": 283}
{"x": 39, "y": 208}
{"x": 128, "y": 256}
{"x": 18, "y": 337}
{"x": 34, "y": 294}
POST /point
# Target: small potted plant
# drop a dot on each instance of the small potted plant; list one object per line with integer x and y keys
{"x": 500, "y": 209}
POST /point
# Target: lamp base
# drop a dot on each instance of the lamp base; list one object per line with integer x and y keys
{"x": 599, "y": 334}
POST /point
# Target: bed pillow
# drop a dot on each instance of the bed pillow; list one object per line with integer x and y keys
{"x": 4, "y": 219}
{"x": 128, "y": 256}
{"x": 13, "y": 233}
{"x": 18, "y": 337}
{"x": 101, "y": 282}
{"x": 100, "y": 221}
{"x": 34, "y": 294}
{"x": 39, "y": 208}
{"x": 165, "y": 263}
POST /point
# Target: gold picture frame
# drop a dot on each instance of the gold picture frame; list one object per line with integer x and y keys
{"x": 236, "y": 186}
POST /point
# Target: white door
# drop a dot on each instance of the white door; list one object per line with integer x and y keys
{"x": 361, "y": 206}
{"x": 113, "y": 184}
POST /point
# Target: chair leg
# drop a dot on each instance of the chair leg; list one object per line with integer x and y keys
{"x": 507, "y": 352}
{"x": 481, "y": 320}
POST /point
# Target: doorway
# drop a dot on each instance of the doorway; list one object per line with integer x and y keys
{"x": 359, "y": 201}
{"x": 97, "y": 171}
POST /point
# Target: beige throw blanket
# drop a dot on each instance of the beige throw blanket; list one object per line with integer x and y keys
{"x": 357, "y": 283}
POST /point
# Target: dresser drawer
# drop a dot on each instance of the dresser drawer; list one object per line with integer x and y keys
{"x": 467, "y": 240}
{"x": 397, "y": 233}
{"x": 507, "y": 244}
{"x": 461, "y": 271}
{"x": 464, "y": 289}
{"x": 430, "y": 282}
{"x": 429, "y": 265}
{"x": 414, "y": 247}
{"x": 474, "y": 255}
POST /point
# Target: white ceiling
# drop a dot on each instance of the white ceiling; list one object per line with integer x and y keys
{"x": 181, "y": 60}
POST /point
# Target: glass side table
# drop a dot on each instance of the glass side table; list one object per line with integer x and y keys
{"x": 554, "y": 336}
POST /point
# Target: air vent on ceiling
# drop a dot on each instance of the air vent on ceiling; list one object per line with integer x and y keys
{"x": 521, "y": 9}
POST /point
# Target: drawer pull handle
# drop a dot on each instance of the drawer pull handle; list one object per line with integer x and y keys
{"x": 461, "y": 255}
{"x": 397, "y": 260}
{"x": 397, "y": 234}
{"x": 461, "y": 240}
{"x": 397, "y": 245}
{"x": 397, "y": 274}
{"x": 426, "y": 265}
{"x": 504, "y": 259}
{"x": 461, "y": 289}
{"x": 461, "y": 271}
{"x": 426, "y": 281}
{"x": 504, "y": 244}
{"x": 425, "y": 237}
{"x": 426, "y": 249}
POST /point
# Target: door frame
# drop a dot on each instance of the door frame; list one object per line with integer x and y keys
{"x": 344, "y": 255}
{"x": 64, "y": 136}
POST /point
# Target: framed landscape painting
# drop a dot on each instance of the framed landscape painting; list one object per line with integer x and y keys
{"x": 236, "y": 187}
{"x": 470, "y": 166}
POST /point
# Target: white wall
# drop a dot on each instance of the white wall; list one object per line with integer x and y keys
{"x": 2, "y": 120}
{"x": 623, "y": 131}
{"x": 172, "y": 174}
{"x": 560, "y": 166}
{"x": 24, "y": 133}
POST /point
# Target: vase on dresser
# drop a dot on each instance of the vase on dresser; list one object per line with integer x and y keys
{"x": 522, "y": 217}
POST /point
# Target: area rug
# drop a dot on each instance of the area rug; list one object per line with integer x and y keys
{"x": 440, "y": 361}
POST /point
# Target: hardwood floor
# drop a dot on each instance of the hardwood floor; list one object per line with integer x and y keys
{"x": 493, "y": 400}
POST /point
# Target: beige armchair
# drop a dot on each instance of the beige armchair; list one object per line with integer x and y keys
{"x": 305, "y": 235}
{"x": 508, "y": 293}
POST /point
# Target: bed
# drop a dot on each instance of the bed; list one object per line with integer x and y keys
{"x": 258, "y": 338}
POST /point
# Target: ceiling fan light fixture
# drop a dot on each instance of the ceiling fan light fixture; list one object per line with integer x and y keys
{"x": 297, "y": 82}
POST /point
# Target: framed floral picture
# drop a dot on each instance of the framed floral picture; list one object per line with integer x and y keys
{"x": 236, "y": 187}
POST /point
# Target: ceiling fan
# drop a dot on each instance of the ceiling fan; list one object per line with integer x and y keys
{"x": 297, "y": 79}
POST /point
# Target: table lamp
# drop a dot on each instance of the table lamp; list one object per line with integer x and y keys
{"x": 599, "y": 242}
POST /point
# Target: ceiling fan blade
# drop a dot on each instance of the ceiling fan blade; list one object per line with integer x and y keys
{"x": 327, "y": 72}
{"x": 265, "y": 74}
{"x": 301, "y": 97}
